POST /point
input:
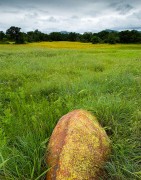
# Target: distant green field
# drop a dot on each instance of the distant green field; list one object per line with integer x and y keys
{"x": 40, "y": 82}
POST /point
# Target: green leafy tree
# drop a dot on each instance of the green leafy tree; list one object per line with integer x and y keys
{"x": 21, "y": 38}
{"x": 103, "y": 35}
{"x": 72, "y": 36}
{"x": 124, "y": 36}
{"x": 86, "y": 37}
{"x": 135, "y": 36}
{"x": 55, "y": 36}
{"x": 37, "y": 36}
{"x": 130, "y": 36}
{"x": 14, "y": 34}
{"x": 95, "y": 39}
{"x": 2, "y": 35}
{"x": 113, "y": 38}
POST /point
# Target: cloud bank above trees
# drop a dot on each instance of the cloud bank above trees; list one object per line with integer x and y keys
{"x": 71, "y": 15}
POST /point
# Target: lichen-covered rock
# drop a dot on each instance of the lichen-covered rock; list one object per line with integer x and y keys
{"x": 78, "y": 148}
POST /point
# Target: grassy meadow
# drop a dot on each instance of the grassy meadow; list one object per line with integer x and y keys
{"x": 40, "y": 82}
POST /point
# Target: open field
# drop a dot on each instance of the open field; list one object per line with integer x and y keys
{"x": 40, "y": 82}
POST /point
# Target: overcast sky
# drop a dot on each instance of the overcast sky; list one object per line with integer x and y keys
{"x": 70, "y": 15}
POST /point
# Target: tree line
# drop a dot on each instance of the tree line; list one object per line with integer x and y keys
{"x": 14, "y": 34}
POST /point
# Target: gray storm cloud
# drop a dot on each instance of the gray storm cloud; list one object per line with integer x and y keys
{"x": 79, "y": 16}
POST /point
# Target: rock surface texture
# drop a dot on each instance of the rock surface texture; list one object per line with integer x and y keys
{"x": 78, "y": 148}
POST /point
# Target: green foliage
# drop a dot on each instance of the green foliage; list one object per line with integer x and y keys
{"x": 55, "y": 36}
{"x": 113, "y": 38}
{"x": 39, "y": 85}
{"x": 72, "y": 36}
{"x": 20, "y": 39}
{"x": 130, "y": 36}
{"x": 95, "y": 40}
{"x": 14, "y": 34}
{"x": 105, "y": 36}
{"x": 86, "y": 37}
{"x": 2, "y": 35}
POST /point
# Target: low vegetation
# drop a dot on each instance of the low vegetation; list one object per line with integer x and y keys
{"x": 40, "y": 82}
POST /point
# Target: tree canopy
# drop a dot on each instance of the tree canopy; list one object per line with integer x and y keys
{"x": 106, "y": 36}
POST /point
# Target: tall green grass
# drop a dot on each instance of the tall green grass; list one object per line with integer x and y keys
{"x": 38, "y": 85}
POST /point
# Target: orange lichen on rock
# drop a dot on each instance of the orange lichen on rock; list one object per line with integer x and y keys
{"x": 78, "y": 148}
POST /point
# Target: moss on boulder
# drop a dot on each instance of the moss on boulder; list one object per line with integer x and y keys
{"x": 78, "y": 148}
